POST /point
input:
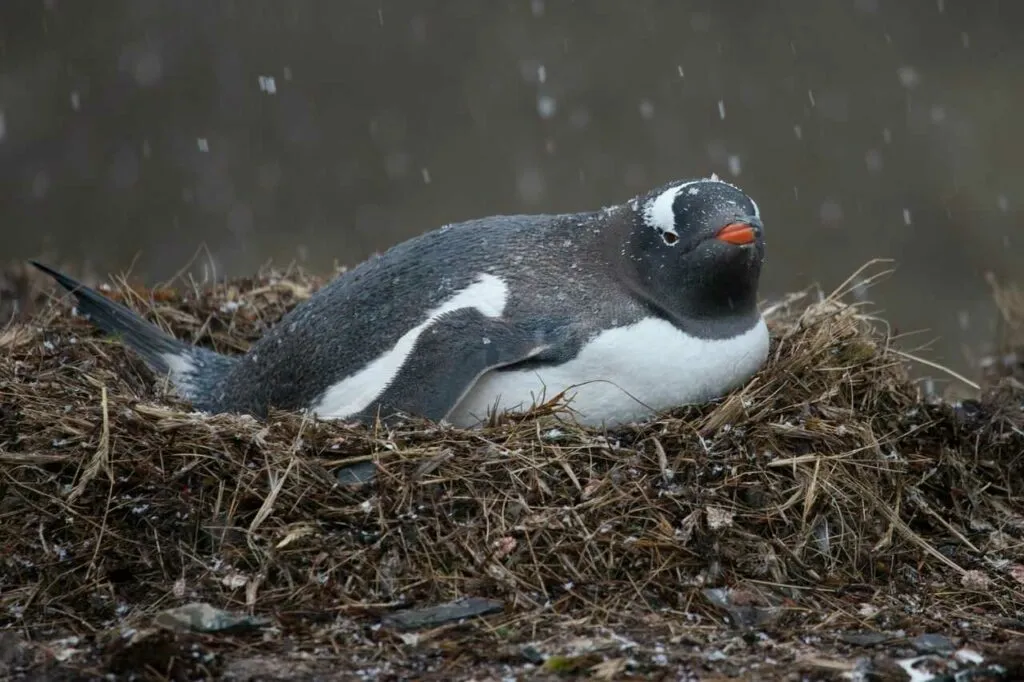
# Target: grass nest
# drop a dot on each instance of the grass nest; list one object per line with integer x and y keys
{"x": 827, "y": 492}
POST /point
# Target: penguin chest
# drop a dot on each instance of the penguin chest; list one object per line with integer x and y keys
{"x": 625, "y": 374}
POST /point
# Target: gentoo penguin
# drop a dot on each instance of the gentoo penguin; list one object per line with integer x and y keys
{"x": 635, "y": 309}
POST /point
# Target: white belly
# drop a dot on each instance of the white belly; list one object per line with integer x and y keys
{"x": 634, "y": 372}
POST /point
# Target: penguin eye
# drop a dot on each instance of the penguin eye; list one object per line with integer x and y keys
{"x": 670, "y": 237}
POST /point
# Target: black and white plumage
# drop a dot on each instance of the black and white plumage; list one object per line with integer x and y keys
{"x": 636, "y": 308}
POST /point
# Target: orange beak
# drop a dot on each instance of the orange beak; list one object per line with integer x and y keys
{"x": 737, "y": 233}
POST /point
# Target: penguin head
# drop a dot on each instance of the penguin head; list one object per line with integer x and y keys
{"x": 697, "y": 246}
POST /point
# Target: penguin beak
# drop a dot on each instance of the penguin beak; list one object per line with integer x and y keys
{"x": 738, "y": 234}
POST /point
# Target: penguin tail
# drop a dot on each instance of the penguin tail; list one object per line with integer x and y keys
{"x": 194, "y": 372}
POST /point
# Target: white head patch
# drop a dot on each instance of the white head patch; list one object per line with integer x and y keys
{"x": 660, "y": 214}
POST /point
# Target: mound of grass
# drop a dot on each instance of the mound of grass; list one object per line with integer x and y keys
{"x": 827, "y": 496}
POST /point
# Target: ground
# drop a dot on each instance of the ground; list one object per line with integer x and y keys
{"x": 827, "y": 521}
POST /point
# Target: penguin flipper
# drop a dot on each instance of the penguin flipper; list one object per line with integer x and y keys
{"x": 450, "y": 357}
{"x": 194, "y": 371}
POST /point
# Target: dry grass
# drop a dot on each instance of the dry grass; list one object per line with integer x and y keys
{"x": 827, "y": 491}
{"x": 1008, "y": 361}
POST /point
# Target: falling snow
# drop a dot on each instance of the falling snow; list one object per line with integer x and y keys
{"x": 546, "y": 106}
{"x": 268, "y": 85}
{"x": 831, "y": 211}
{"x": 873, "y": 160}
{"x": 735, "y": 166}
{"x": 908, "y": 76}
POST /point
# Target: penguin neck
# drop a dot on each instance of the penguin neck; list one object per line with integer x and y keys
{"x": 722, "y": 293}
{"x": 709, "y": 302}
{"x": 718, "y": 303}
{"x": 707, "y": 308}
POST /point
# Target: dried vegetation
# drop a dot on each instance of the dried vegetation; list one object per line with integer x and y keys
{"x": 826, "y": 496}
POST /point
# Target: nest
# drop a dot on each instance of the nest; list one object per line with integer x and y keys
{"x": 827, "y": 478}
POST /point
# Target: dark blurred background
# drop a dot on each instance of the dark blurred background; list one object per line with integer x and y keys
{"x": 134, "y": 131}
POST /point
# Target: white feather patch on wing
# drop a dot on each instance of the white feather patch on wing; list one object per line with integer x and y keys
{"x": 488, "y": 294}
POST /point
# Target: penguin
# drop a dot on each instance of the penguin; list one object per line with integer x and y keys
{"x": 628, "y": 311}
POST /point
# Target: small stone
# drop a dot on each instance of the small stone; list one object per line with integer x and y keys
{"x": 718, "y": 518}
{"x": 357, "y": 474}
{"x": 975, "y": 580}
{"x": 932, "y": 644}
{"x": 203, "y": 617}
{"x": 432, "y": 616}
